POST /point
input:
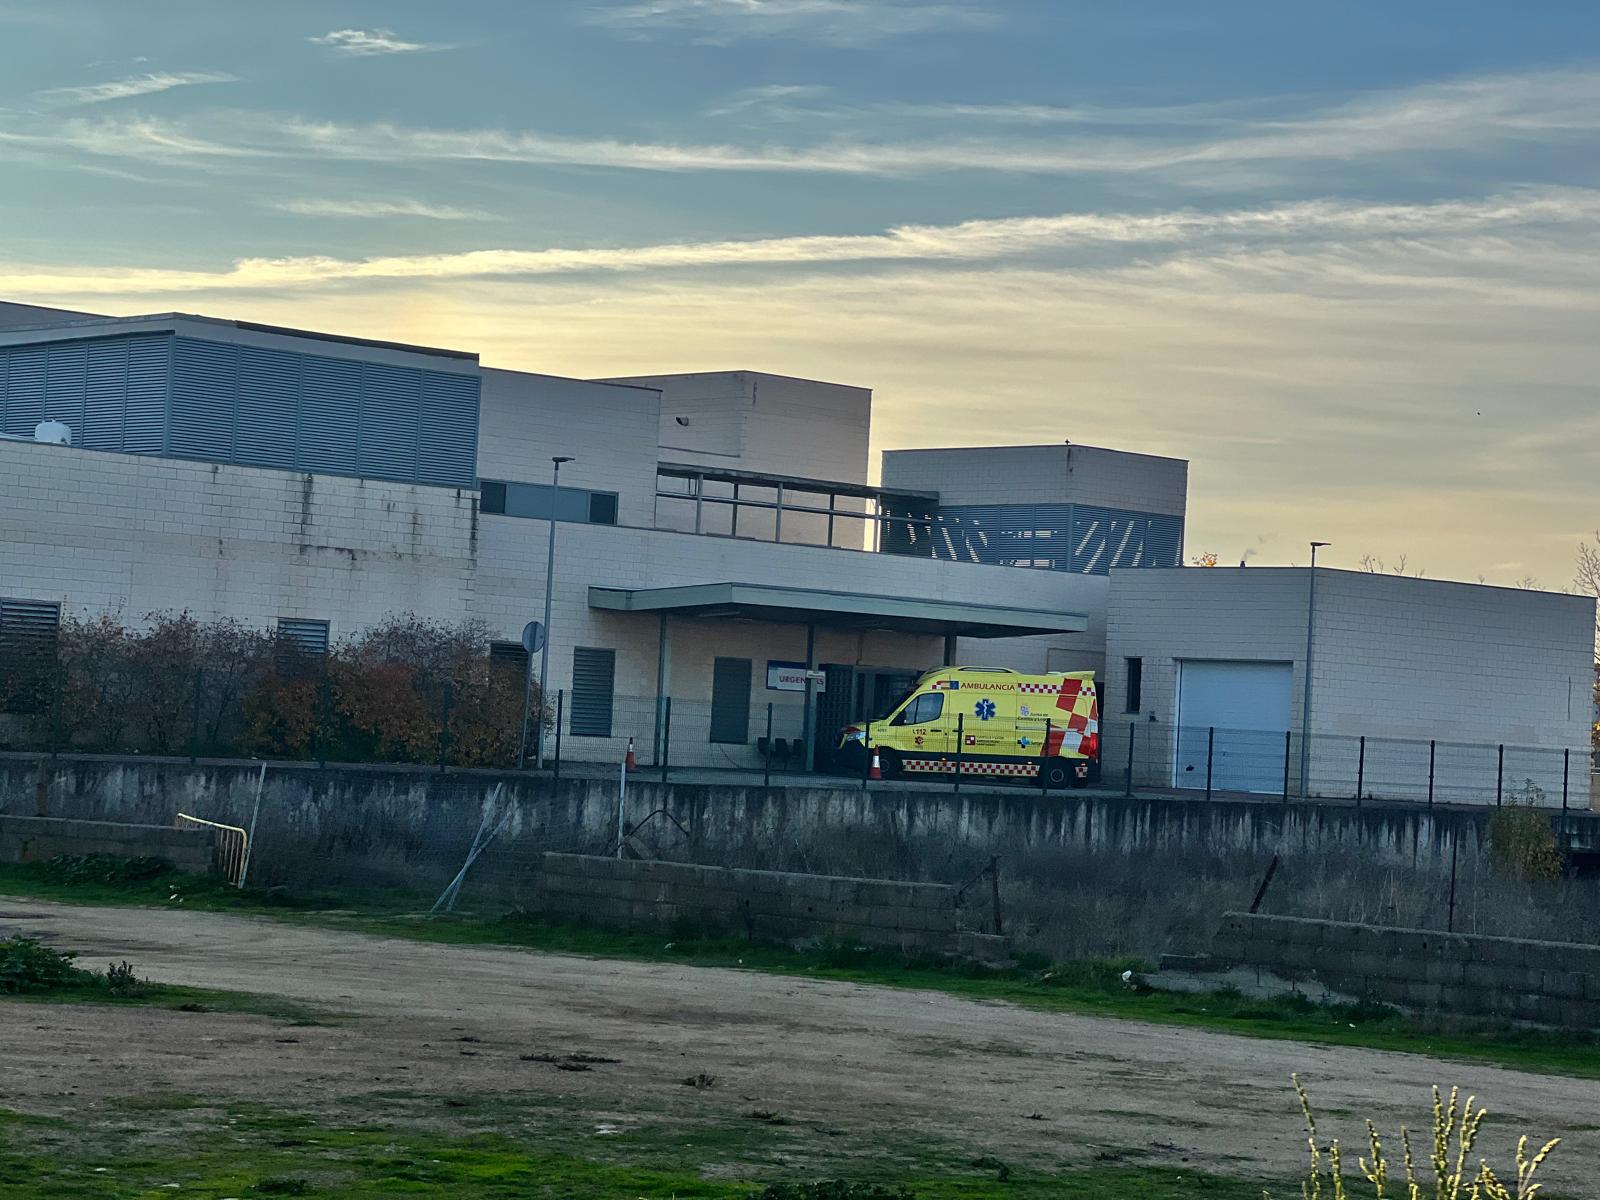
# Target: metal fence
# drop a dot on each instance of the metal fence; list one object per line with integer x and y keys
{"x": 1359, "y": 768}
{"x": 766, "y": 733}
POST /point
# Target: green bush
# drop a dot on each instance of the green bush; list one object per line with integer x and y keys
{"x": 833, "y": 1189}
{"x": 27, "y": 965}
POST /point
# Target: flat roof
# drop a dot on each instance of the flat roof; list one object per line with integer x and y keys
{"x": 846, "y": 610}
{"x": 91, "y": 326}
{"x": 1032, "y": 446}
{"x": 865, "y": 491}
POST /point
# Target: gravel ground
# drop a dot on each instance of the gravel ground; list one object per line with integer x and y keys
{"x": 986, "y": 1078}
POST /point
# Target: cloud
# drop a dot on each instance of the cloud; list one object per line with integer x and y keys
{"x": 1472, "y": 117}
{"x": 773, "y": 97}
{"x": 1319, "y": 364}
{"x": 137, "y": 85}
{"x": 380, "y": 208}
{"x": 838, "y": 22}
{"x": 1258, "y": 233}
{"x": 363, "y": 43}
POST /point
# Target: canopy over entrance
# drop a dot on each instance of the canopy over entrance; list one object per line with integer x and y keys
{"x": 837, "y": 610}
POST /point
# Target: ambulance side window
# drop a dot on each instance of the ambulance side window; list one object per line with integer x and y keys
{"x": 924, "y": 710}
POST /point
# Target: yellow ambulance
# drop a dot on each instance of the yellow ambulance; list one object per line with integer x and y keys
{"x": 994, "y": 723}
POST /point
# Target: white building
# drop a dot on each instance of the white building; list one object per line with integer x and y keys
{"x": 714, "y": 532}
{"x": 1430, "y": 673}
{"x": 717, "y": 536}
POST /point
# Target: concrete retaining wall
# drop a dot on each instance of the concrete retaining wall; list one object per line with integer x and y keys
{"x": 1552, "y": 983}
{"x": 39, "y": 839}
{"x": 756, "y": 904}
{"x": 413, "y": 826}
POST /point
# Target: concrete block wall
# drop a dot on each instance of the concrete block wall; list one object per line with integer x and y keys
{"x": 753, "y": 421}
{"x": 1550, "y": 983}
{"x": 755, "y": 904}
{"x": 39, "y": 839}
{"x": 609, "y": 431}
{"x": 102, "y": 532}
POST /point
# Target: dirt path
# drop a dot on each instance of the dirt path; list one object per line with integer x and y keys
{"x": 975, "y": 1076}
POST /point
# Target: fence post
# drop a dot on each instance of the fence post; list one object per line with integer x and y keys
{"x": 1044, "y": 756}
{"x": 194, "y": 716}
{"x": 444, "y": 725}
{"x": 666, "y": 735}
{"x": 1433, "y": 747}
{"x": 1455, "y": 847}
{"x": 1211, "y": 746}
{"x": 1127, "y": 783}
{"x": 961, "y": 742}
{"x": 1288, "y": 736}
{"x": 324, "y": 711}
{"x": 1500, "y": 776}
{"x": 866, "y": 759}
{"x": 994, "y": 896}
{"x": 1566, "y": 775}
{"x": 561, "y": 706}
{"x": 1361, "y": 770}
{"x": 766, "y": 759}
{"x": 58, "y": 705}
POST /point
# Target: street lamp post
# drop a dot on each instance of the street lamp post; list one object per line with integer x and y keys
{"x": 549, "y": 592}
{"x": 1305, "y": 710}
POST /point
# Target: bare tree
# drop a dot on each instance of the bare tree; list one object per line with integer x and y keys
{"x": 1373, "y": 565}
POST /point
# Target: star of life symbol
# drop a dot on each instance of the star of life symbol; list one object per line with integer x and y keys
{"x": 984, "y": 709}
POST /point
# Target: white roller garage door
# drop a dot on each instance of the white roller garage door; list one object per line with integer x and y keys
{"x": 1248, "y": 706}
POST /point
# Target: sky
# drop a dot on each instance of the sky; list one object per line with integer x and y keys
{"x": 1343, "y": 258}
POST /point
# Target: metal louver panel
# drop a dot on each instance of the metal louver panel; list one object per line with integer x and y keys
{"x": 205, "y": 376}
{"x": 269, "y": 407}
{"x": 730, "y": 700}
{"x": 310, "y": 637}
{"x": 25, "y": 391}
{"x": 330, "y": 415}
{"x": 594, "y": 674}
{"x": 391, "y": 405}
{"x": 65, "y": 368}
{"x": 448, "y": 431}
{"x": 28, "y": 634}
{"x": 149, "y": 383}
{"x": 105, "y": 396}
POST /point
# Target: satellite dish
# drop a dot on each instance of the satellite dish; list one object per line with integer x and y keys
{"x": 54, "y": 433}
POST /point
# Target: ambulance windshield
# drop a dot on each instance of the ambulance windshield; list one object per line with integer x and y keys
{"x": 888, "y": 709}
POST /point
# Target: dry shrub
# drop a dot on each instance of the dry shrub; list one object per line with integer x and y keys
{"x": 1522, "y": 842}
{"x": 404, "y": 690}
{"x": 1449, "y": 1160}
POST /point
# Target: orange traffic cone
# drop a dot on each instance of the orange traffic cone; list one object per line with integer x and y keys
{"x": 630, "y": 764}
{"x": 877, "y": 768}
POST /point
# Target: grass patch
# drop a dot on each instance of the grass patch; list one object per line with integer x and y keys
{"x": 1092, "y": 987}
{"x": 266, "y": 1153}
{"x": 33, "y": 972}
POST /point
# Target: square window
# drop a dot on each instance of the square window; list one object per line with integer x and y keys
{"x": 602, "y": 508}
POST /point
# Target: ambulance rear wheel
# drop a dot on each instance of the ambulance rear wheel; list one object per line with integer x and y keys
{"x": 1057, "y": 775}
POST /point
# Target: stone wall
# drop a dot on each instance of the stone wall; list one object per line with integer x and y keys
{"x": 39, "y": 839}
{"x": 754, "y": 904}
{"x": 1551, "y": 983}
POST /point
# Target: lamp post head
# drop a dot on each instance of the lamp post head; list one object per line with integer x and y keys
{"x": 558, "y": 459}
{"x": 1315, "y": 545}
